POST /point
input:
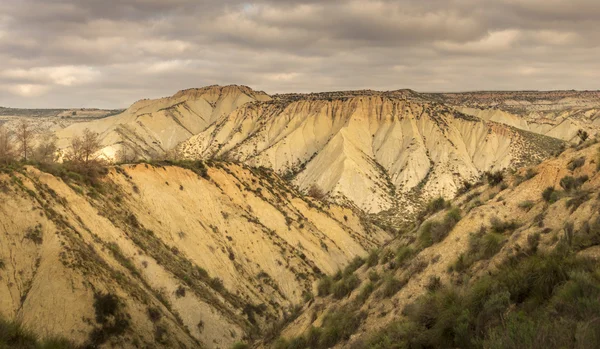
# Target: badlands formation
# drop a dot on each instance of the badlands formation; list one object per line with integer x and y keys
{"x": 276, "y": 218}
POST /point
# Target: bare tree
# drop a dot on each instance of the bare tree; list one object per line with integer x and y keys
{"x": 85, "y": 147}
{"x": 7, "y": 150}
{"x": 128, "y": 153}
{"x": 46, "y": 151}
{"x": 24, "y": 138}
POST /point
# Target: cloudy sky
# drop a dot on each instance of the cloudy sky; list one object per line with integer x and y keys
{"x": 109, "y": 53}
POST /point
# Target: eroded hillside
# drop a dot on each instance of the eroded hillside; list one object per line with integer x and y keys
{"x": 161, "y": 255}
{"x": 509, "y": 263}
{"x": 558, "y": 114}
{"x": 152, "y": 126}
{"x": 376, "y": 151}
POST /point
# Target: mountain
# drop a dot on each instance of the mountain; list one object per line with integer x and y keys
{"x": 162, "y": 255}
{"x": 508, "y": 264}
{"x": 152, "y": 126}
{"x": 374, "y": 150}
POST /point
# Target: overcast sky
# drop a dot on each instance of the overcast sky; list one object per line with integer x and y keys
{"x": 109, "y": 53}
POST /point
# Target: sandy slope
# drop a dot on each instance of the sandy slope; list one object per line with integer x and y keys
{"x": 142, "y": 236}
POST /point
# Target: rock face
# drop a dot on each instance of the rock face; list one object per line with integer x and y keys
{"x": 151, "y": 127}
{"x": 194, "y": 261}
{"x": 369, "y": 149}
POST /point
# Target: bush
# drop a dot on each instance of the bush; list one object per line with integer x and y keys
{"x": 576, "y": 163}
{"x": 354, "y": 264}
{"x": 538, "y": 301}
{"x": 498, "y": 226}
{"x": 569, "y": 183}
{"x": 373, "y": 258}
{"x": 550, "y": 195}
{"x": 435, "y": 231}
{"x": 526, "y": 205}
{"x": 494, "y": 178}
{"x": 391, "y": 286}
{"x": 14, "y": 336}
{"x": 345, "y": 286}
{"x": 324, "y": 286}
{"x": 316, "y": 192}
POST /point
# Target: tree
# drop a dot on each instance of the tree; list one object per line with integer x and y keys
{"x": 85, "y": 147}
{"x": 24, "y": 138}
{"x": 128, "y": 152}
{"x": 7, "y": 151}
{"x": 46, "y": 150}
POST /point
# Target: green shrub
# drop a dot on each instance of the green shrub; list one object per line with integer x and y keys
{"x": 537, "y": 301}
{"x": 498, "y": 226}
{"x": 435, "y": 231}
{"x": 391, "y": 286}
{"x": 356, "y": 263}
{"x": 343, "y": 287}
{"x": 365, "y": 292}
{"x": 403, "y": 254}
{"x": 324, "y": 286}
{"x": 373, "y": 258}
{"x": 547, "y": 195}
{"x": 576, "y": 163}
{"x": 569, "y": 183}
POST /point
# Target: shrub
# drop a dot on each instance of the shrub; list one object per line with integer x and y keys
{"x": 538, "y": 301}
{"x": 436, "y": 205}
{"x": 494, "y": 178}
{"x": 339, "y": 325}
{"x": 391, "y": 286}
{"x": 316, "y": 192}
{"x": 403, "y": 254}
{"x": 550, "y": 195}
{"x": 345, "y": 286}
{"x": 365, "y": 292}
{"x": 373, "y": 258}
{"x": 576, "y": 163}
{"x": 569, "y": 183}
{"x": 435, "y": 231}
{"x": 324, "y": 286}
{"x": 434, "y": 283}
{"x": 14, "y": 336}
{"x": 354, "y": 264}
{"x": 526, "y": 205}
{"x": 530, "y": 174}
{"x": 498, "y": 226}
{"x": 154, "y": 314}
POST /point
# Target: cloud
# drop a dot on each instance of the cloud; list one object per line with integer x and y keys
{"x": 87, "y": 53}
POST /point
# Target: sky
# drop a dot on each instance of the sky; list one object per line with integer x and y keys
{"x": 109, "y": 53}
